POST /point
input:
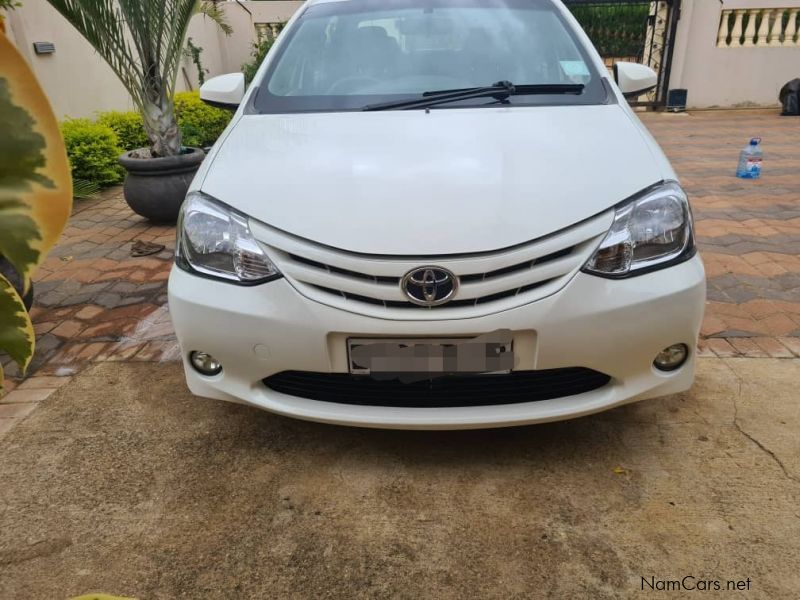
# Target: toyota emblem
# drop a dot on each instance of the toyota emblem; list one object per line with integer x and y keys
{"x": 429, "y": 286}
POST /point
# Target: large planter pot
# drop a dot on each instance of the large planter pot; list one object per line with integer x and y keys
{"x": 155, "y": 187}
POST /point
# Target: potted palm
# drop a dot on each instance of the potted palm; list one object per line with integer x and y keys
{"x": 143, "y": 43}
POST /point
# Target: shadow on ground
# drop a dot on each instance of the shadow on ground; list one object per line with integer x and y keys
{"x": 123, "y": 482}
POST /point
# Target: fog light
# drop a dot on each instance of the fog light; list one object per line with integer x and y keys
{"x": 205, "y": 364}
{"x": 672, "y": 358}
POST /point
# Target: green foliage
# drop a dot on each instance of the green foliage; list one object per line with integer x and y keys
{"x": 82, "y": 189}
{"x": 259, "y": 53}
{"x": 616, "y": 30}
{"x": 200, "y": 123}
{"x": 93, "y": 150}
{"x": 193, "y": 51}
{"x": 128, "y": 126}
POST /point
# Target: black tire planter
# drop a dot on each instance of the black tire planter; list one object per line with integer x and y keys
{"x": 9, "y": 272}
{"x": 155, "y": 187}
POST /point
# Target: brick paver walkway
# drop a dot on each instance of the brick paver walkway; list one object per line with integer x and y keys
{"x": 96, "y": 302}
{"x": 748, "y": 231}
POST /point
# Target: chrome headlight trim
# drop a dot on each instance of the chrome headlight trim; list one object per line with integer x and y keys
{"x": 652, "y": 230}
{"x": 214, "y": 241}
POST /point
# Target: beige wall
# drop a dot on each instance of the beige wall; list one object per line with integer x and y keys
{"x": 728, "y": 76}
{"x": 79, "y": 83}
{"x": 75, "y": 78}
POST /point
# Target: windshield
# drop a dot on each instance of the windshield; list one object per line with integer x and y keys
{"x": 348, "y": 54}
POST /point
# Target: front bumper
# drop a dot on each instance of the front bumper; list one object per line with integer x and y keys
{"x": 615, "y": 327}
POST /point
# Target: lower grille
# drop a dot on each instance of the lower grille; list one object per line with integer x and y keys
{"x": 441, "y": 392}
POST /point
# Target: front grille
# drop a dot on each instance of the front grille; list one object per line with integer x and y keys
{"x": 488, "y": 281}
{"x": 441, "y": 392}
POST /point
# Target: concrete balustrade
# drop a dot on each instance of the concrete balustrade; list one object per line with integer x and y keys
{"x": 758, "y": 27}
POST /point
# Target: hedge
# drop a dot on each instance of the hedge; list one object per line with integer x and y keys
{"x": 93, "y": 150}
{"x": 128, "y": 126}
{"x": 200, "y": 123}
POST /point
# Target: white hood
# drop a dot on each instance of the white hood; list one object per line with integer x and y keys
{"x": 445, "y": 182}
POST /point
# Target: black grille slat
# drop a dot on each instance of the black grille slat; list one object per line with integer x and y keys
{"x": 440, "y": 392}
{"x": 331, "y": 269}
{"x": 518, "y": 267}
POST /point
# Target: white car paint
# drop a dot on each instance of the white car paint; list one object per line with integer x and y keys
{"x": 387, "y": 191}
{"x": 483, "y": 168}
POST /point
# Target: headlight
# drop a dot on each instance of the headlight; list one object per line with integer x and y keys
{"x": 651, "y": 231}
{"x": 215, "y": 240}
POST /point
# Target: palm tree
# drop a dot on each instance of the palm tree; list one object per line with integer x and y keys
{"x": 142, "y": 41}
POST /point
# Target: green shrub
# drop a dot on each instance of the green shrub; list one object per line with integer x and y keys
{"x": 128, "y": 126}
{"x": 93, "y": 150}
{"x": 200, "y": 123}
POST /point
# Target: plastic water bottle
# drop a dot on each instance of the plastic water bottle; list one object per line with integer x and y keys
{"x": 750, "y": 160}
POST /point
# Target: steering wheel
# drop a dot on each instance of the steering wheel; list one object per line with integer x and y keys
{"x": 343, "y": 84}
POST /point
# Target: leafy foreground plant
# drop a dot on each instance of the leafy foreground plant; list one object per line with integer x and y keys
{"x": 35, "y": 193}
{"x": 142, "y": 41}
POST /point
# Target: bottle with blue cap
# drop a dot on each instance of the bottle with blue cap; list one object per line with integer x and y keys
{"x": 750, "y": 160}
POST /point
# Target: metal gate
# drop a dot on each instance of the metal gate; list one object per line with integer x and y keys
{"x": 640, "y": 31}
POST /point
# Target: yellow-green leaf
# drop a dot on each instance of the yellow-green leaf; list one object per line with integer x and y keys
{"x": 35, "y": 183}
{"x": 19, "y": 231}
{"x": 16, "y": 331}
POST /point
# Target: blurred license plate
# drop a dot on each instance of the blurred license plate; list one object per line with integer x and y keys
{"x": 388, "y": 358}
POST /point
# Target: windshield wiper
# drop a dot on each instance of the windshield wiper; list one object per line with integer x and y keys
{"x": 499, "y": 91}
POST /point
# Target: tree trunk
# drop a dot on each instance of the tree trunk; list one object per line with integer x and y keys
{"x": 162, "y": 128}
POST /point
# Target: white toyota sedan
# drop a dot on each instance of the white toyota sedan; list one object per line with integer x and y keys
{"x": 436, "y": 214}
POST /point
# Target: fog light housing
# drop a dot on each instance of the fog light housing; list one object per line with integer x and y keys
{"x": 671, "y": 358}
{"x": 205, "y": 364}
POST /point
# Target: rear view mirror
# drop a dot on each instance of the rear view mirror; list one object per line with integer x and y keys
{"x": 634, "y": 79}
{"x": 223, "y": 91}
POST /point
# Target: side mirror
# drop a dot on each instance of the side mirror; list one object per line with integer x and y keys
{"x": 223, "y": 91}
{"x": 634, "y": 79}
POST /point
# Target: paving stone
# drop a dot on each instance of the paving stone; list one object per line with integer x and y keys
{"x": 791, "y": 343}
{"x": 108, "y": 299}
{"x": 773, "y": 347}
{"x": 7, "y": 425}
{"x": 89, "y": 312}
{"x": 10, "y": 410}
{"x": 721, "y": 348}
{"x": 43, "y": 382}
{"x": 68, "y": 329}
{"x": 128, "y": 300}
{"x": 22, "y": 395}
{"x": 747, "y": 347}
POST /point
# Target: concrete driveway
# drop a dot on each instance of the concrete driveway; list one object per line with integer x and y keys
{"x": 122, "y": 482}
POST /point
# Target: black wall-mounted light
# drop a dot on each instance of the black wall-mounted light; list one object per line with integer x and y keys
{"x": 44, "y": 47}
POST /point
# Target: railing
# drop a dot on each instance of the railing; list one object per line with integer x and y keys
{"x": 750, "y": 27}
